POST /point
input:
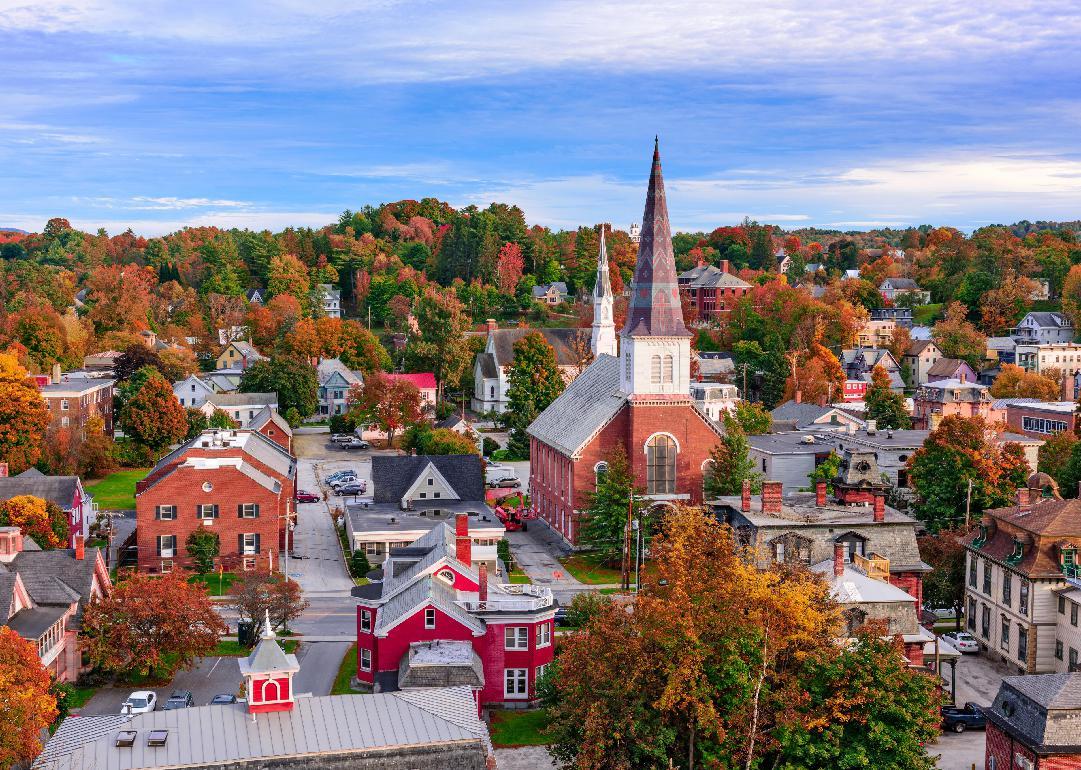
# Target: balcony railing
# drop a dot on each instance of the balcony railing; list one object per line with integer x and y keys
{"x": 523, "y": 598}
{"x": 877, "y": 567}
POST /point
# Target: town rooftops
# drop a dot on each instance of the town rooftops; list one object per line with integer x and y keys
{"x": 916, "y": 347}
{"x": 75, "y": 386}
{"x": 393, "y": 476}
{"x": 1057, "y": 407}
{"x": 569, "y": 345}
{"x": 1050, "y": 319}
{"x": 798, "y": 443}
{"x": 1040, "y": 709}
{"x": 243, "y": 399}
{"x": 267, "y": 415}
{"x": 56, "y": 489}
{"x": 952, "y": 390}
{"x": 440, "y": 663}
{"x": 854, "y": 586}
{"x": 588, "y": 403}
{"x": 227, "y": 443}
{"x": 52, "y": 578}
{"x": 247, "y": 350}
{"x": 945, "y": 367}
{"x": 329, "y": 367}
{"x": 900, "y": 284}
{"x": 803, "y": 414}
{"x": 1055, "y": 521}
{"x": 883, "y": 438}
{"x": 711, "y": 277}
{"x": 543, "y": 289}
{"x": 315, "y": 729}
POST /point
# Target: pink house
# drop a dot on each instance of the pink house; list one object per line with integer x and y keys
{"x": 434, "y": 620}
{"x": 941, "y": 398}
{"x": 425, "y": 382}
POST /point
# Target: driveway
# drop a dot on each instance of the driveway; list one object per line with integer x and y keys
{"x": 209, "y": 677}
{"x": 535, "y": 550}
{"x": 319, "y": 662}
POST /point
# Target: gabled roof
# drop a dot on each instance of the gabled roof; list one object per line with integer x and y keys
{"x": 947, "y": 367}
{"x": 265, "y": 415}
{"x": 1050, "y": 320}
{"x": 421, "y": 592}
{"x": 329, "y": 367}
{"x": 559, "y": 286}
{"x": 918, "y": 346}
{"x": 589, "y": 403}
{"x": 57, "y": 489}
{"x": 710, "y": 276}
{"x": 565, "y": 342}
{"x": 854, "y": 587}
{"x": 804, "y": 414}
{"x": 329, "y": 292}
{"x": 900, "y": 284}
{"x": 243, "y": 399}
{"x": 423, "y": 380}
{"x": 246, "y": 349}
{"x": 56, "y": 578}
{"x": 394, "y": 476}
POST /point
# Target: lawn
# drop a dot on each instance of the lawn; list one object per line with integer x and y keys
{"x": 346, "y": 671}
{"x": 231, "y": 648}
{"x": 924, "y": 315}
{"x": 117, "y": 490}
{"x": 519, "y": 728}
{"x": 519, "y": 577}
{"x": 587, "y": 568}
{"x": 214, "y": 585}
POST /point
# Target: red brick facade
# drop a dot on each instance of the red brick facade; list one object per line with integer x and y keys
{"x": 560, "y": 485}
{"x": 71, "y": 404}
{"x": 1005, "y": 750}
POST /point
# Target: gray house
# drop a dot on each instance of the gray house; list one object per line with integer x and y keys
{"x": 335, "y": 381}
{"x": 788, "y": 457}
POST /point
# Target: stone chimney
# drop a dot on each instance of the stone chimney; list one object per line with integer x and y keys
{"x": 1024, "y": 502}
{"x": 482, "y": 586}
{"x": 11, "y": 543}
{"x": 872, "y": 427}
{"x": 463, "y": 546}
{"x": 838, "y": 559}
{"x": 724, "y": 265}
{"x": 771, "y": 496}
{"x": 745, "y": 497}
{"x": 963, "y": 377}
{"x": 820, "y": 493}
{"x": 80, "y": 548}
{"x": 491, "y": 325}
{"x": 55, "y": 377}
{"x": 880, "y": 507}
{"x": 798, "y": 397}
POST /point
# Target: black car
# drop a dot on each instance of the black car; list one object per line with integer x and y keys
{"x": 957, "y": 719}
{"x": 222, "y": 699}
{"x": 180, "y": 699}
{"x": 561, "y": 616}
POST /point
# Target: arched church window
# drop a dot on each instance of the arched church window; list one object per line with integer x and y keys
{"x": 669, "y": 368}
{"x": 655, "y": 370}
{"x": 600, "y": 470}
{"x": 661, "y": 465}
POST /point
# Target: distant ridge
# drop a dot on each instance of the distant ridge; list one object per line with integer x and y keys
{"x": 13, "y": 230}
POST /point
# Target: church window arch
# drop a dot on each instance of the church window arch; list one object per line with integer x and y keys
{"x": 661, "y": 453}
{"x": 655, "y": 370}
{"x": 668, "y": 368}
{"x": 600, "y": 470}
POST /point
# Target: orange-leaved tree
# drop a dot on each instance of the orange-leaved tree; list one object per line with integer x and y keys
{"x": 27, "y": 706}
{"x": 37, "y": 518}
{"x": 151, "y": 624}
{"x": 153, "y": 417}
{"x": 1015, "y": 382}
{"x": 23, "y": 416}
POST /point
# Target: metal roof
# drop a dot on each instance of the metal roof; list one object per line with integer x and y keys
{"x": 587, "y": 405}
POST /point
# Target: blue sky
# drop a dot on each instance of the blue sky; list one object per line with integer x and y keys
{"x": 155, "y": 114}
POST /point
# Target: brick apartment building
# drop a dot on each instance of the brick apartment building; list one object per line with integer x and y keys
{"x": 239, "y": 484}
{"x": 713, "y": 291}
{"x": 1040, "y": 419}
{"x": 74, "y": 400}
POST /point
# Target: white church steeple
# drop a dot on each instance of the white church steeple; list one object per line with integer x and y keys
{"x": 604, "y": 327}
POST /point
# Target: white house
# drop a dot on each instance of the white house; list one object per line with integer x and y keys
{"x": 715, "y": 399}
{"x": 551, "y": 293}
{"x": 1039, "y": 328}
{"x": 335, "y": 380}
{"x": 332, "y": 300}
{"x": 892, "y": 288}
{"x": 242, "y": 407}
{"x": 491, "y": 369}
{"x": 192, "y": 391}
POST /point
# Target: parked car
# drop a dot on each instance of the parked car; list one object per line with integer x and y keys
{"x": 304, "y": 496}
{"x": 356, "y": 488}
{"x": 180, "y": 699}
{"x": 331, "y": 478}
{"x": 970, "y": 717}
{"x": 508, "y": 483}
{"x": 222, "y": 699}
{"x": 561, "y": 616}
{"x": 962, "y": 641}
{"x": 338, "y": 438}
{"x": 355, "y": 443}
{"x": 942, "y": 613}
{"x": 497, "y": 475}
{"x": 341, "y": 480}
{"x": 139, "y": 702}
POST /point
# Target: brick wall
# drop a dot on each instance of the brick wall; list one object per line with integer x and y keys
{"x": 80, "y": 409}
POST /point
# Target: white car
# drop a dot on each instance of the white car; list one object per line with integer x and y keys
{"x": 499, "y": 475}
{"x": 962, "y": 641}
{"x": 139, "y": 702}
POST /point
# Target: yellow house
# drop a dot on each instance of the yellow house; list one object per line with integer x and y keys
{"x": 238, "y": 355}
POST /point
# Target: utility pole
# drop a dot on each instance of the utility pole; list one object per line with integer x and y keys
{"x": 625, "y": 583}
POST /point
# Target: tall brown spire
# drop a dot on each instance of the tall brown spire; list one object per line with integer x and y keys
{"x": 654, "y": 309}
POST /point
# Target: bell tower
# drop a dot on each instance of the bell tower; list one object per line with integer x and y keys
{"x": 603, "y": 340}
{"x": 268, "y": 674}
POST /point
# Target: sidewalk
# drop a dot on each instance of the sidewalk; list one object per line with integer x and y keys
{"x": 536, "y": 555}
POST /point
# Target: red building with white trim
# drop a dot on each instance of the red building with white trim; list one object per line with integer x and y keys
{"x": 639, "y": 402}
{"x": 435, "y": 620}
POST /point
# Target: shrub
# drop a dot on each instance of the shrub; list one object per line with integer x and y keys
{"x": 340, "y": 423}
{"x": 132, "y": 455}
{"x": 502, "y": 550}
{"x": 490, "y": 445}
{"x": 585, "y": 607}
{"x": 359, "y": 564}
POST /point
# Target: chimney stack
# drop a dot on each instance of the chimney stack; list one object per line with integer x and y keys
{"x": 491, "y": 324}
{"x": 838, "y": 559}
{"x": 798, "y": 397}
{"x": 771, "y": 496}
{"x": 11, "y": 543}
{"x": 56, "y": 374}
{"x": 745, "y": 499}
{"x": 80, "y": 548}
{"x": 1068, "y": 387}
{"x": 880, "y": 507}
{"x": 1024, "y": 502}
{"x": 482, "y": 587}
{"x": 820, "y": 493}
{"x": 463, "y": 546}
{"x": 724, "y": 265}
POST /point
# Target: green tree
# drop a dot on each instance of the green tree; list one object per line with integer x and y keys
{"x": 295, "y": 381}
{"x": 754, "y": 418}
{"x": 535, "y": 382}
{"x": 203, "y": 547}
{"x": 606, "y": 507}
{"x": 1054, "y": 456}
{"x": 152, "y": 416}
{"x": 730, "y": 464}
{"x": 826, "y": 471}
{"x": 358, "y": 564}
{"x": 440, "y": 346}
{"x": 883, "y": 405}
{"x": 944, "y": 585}
{"x": 765, "y": 368}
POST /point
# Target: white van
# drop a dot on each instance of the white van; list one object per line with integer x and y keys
{"x": 500, "y": 476}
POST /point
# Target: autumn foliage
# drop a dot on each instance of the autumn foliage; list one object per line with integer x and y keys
{"x": 26, "y": 707}
{"x": 390, "y": 403}
{"x": 23, "y": 417}
{"x": 42, "y": 520}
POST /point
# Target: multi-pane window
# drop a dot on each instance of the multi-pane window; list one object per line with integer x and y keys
{"x": 249, "y": 543}
{"x": 165, "y": 512}
{"x": 206, "y": 511}
{"x": 1042, "y": 425}
{"x": 1058, "y": 649}
{"x": 1062, "y": 605}
{"x": 661, "y": 465}
{"x": 1073, "y": 613}
{"x": 668, "y": 369}
{"x": 985, "y": 622}
{"x": 540, "y": 672}
{"x": 1004, "y": 639}
{"x": 515, "y": 682}
{"x": 1073, "y": 659}
{"x": 166, "y": 545}
{"x": 544, "y": 634}
{"x": 1022, "y": 643}
{"x": 971, "y": 615}
{"x": 1022, "y": 597}
{"x": 365, "y": 660}
{"x": 972, "y": 571}
{"x": 248, "y": 510}
{"x": 516, "y": 638}
{"x": 429, "y": 618}
{"x": 987, "y": 577}
{"x": 1007, "y": 588}
{"x": 365, "y": 620}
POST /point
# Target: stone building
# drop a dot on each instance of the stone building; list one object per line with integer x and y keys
{"x": 1032, "y": 724}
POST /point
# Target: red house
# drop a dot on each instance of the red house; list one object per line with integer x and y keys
{"x": 639, "y": 402}
{"x": 435, "y": 621}
{"x": 236, "y": 483}
{"x": 712, "y": 290}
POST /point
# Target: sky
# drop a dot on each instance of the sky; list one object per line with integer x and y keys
{"x": 851, "y": 115}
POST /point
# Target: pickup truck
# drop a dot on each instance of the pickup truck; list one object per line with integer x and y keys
{"x": 958, "y": 719}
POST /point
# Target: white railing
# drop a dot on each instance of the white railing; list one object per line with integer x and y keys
{"x": 523, "y": 598}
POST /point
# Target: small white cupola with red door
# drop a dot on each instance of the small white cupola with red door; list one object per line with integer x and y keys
{"x": 268, "y": 674}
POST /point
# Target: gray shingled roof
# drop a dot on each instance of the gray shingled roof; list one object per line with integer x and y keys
{"x": 425, "y": 590}
{"x": 711, "y": 276}
{"x": 902, "y": 284}
{"x": 587, "y": 405}
{"x": 55, "y": 578}
{"x": 393, "y": 476}
{"x": 220, "y": 735}
{"x": 265, "y": 415}
{"x": 57, "y": 489}
{"x": 440, "y": 664}
{"x": 563, "y": 341}
{"x": 1048, "y": 319}
{"x": 802, "y": 414}
{"x": 488, "y": 366}
{"x": 328, "y": 367}
{"x": 7, "y": 593}
{"x": 243, "y": 399}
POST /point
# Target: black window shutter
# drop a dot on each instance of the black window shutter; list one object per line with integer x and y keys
{"x": 240, "y": 510}
{"x": 172, "y": 542}
{"x": 257, "y": 542}
{"x": 215, "y": 510}
{"x": 257, "y": 510}
{"x": 157, "y": 512}
{"x": 159, "y": 539}
{"x": 240, "y": 543}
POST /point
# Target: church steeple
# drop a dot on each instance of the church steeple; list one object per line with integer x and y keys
{"x": 655, "y": 342}
{"x": 603, "y": 340}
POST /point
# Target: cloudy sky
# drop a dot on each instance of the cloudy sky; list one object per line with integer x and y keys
{"x": 154, "y": 114}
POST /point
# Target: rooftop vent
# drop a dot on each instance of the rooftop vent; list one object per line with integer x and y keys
{"x": 808, "y": 439}
{"x": 157, "y": 737}
{"x": 125, "y": 739}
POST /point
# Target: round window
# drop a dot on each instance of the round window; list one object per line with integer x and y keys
{"x": 447, "y": 575}
{"x": 207, "y": 486}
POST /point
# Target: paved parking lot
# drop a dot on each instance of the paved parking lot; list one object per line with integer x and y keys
{"x": 209, "y": 677}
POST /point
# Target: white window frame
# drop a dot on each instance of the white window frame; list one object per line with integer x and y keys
{"x": 429, "y": 617}
{"x": 162, "y": 509}
{"x": 540, "y": 672}
{"x": 366, "y": 621}
{"x": 244, "y": 548}
{"x": 249, "y": 563}
{"x": 246, "y": 507}
{"x": 203, "y": 511}
{"x": 365, "y": 659}
{"x": 516, "y": 683}
{"x": 544, "y": 634}
{"x": 516, "y": 638}
{"x": 64, "y": 405}
{"x": 166, "y": 566}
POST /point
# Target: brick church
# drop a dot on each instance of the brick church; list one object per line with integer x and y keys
{"x": 637, "y": 398}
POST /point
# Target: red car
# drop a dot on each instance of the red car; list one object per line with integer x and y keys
{"x": 304, "y": 496}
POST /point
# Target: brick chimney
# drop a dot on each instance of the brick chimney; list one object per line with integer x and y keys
{"x": 463, "y": 546}
{"x": 482, "y": 587}
{"x": 80, "y": 548}
{"x": 745, "y": 497}
{"x": 820, "y": 493}
{"x": 1068, "y": 387}
{"x": 771, "y": 496}
{"x": 838, "y": 559}
{"x": 11, "y": 543}
{"x": 724, "y": 265}
{"x": 880, "y": 507}
{"x": 491, "y": 325}
{"x": 798, "y": 397}
{"x": 1024, "y": 501}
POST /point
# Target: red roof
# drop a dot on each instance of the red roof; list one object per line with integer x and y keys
{"x": 423, "y": 380}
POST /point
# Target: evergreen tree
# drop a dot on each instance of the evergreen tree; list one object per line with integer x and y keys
{"x": 885, "y": 406}
{"x": 730, "y": 463}
{"x": 203, "y": 547}
{"x": 535, "y": 382}
{"x": 606, "y": 510}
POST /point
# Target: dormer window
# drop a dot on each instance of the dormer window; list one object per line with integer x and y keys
{"x": 1018, "y": 552}
{"x": 1069, "y": 562}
